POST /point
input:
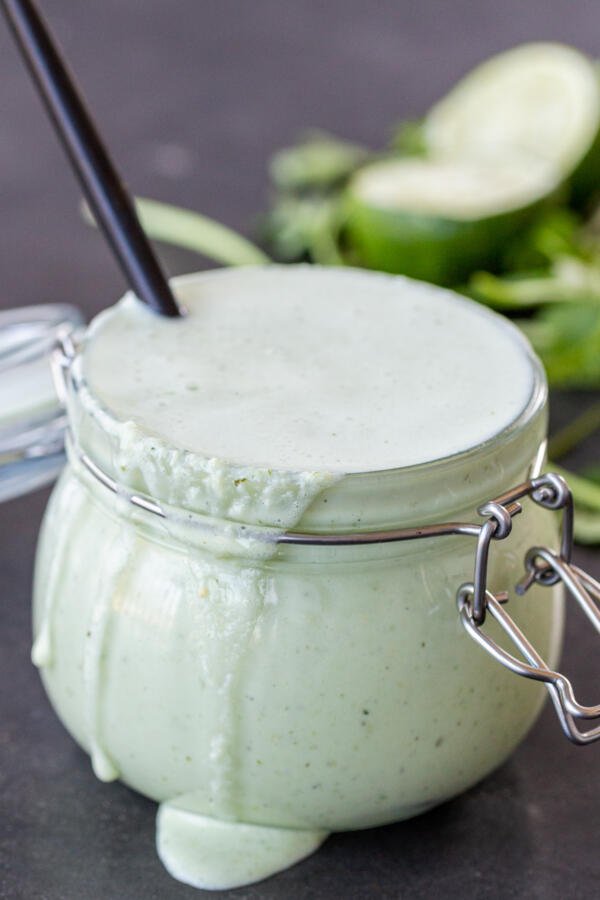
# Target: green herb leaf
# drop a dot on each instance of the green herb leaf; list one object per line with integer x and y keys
{"x": 319, "y": 162}
{"x": 586, "y": 528}
{"x": 592, "y": 473}
{"x": 515, "y": 292}
{"x": 586, "y": 493}
{"x": 408, "y": 138}
{"x": 577, "y": 430}
{"x": 556, "y": 231}
{"x": 568, "y": 279}
{"x": 304, "y": 227}
{"x": 567, "y": 338}
{"x": 586, "y": 496}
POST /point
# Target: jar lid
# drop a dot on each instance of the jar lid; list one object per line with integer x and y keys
{"x": 32, "y": 418}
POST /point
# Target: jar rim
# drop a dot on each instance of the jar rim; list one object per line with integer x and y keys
{"x": 355, "y": 498}
{"x": 536, "y": 400}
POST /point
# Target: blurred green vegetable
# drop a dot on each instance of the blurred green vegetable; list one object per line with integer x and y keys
{"x": 567, "y": 338}
{"x": 569, "y": 437}
{"x": 585, "y": 487}
{"x": 318, "y": 162}
{"x": 305, "y": 226}
{"x": 437, "y": 220}
{"x": 195, "y": 232}
{"x": 586, "y": 496}
{"x": 408, "y": 139}
{"x": 592, "y": 472}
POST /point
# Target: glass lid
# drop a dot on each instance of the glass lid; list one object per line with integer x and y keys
{"x": 32, "y": 418}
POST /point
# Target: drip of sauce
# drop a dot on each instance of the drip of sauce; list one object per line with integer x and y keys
{"x": 214, "y": 855}
{"x": 229, "y": 604}
{"x": 97, "y": 650}
{"x": 42, "y": 650}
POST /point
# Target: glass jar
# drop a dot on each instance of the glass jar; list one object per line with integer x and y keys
{"x": 325, "y": 687}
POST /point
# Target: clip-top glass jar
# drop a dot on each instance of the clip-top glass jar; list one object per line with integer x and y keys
{"x": 268, "y": 680}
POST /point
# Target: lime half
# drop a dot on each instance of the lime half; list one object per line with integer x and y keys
{"x": 540, "y": 100}
{"x": 439, "y": 219}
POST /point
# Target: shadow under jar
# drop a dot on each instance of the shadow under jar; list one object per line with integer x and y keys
{"x": 266, "y": 693}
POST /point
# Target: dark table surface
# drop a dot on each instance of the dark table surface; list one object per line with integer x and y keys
{"x": 193, "y": 96}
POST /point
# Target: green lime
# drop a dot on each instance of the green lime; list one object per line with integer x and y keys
{"x": 439, "y": 219}
{"x": 540, "y": 100}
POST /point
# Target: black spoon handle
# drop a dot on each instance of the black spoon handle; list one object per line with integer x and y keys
{"x": 105, "y": 192}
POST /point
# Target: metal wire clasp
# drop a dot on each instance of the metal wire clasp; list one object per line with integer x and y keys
{"x": 544, "y": 567}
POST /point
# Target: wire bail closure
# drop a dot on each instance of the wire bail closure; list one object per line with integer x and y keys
{"x": 549, "y": 491}
{"x": 546, "y": 568}
{"x": 543, "y": 566}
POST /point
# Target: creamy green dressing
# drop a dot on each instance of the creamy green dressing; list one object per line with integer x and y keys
{"x": 256, "y": 697}
{"x": 311, "y": 369}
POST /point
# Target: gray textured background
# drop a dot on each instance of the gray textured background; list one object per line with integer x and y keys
{"x": 193, "y": 95}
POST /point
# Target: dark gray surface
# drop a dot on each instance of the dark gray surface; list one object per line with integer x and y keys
{"x": 194, "y": 94}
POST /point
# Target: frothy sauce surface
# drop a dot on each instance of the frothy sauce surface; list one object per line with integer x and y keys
{"x": 303, "y": 368}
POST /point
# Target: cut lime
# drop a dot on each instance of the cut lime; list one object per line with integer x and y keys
{"x": 439, "y": 220}
{"x": 540, "y": 100}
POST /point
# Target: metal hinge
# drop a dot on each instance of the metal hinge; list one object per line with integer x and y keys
{"x": 546, "y": 568}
